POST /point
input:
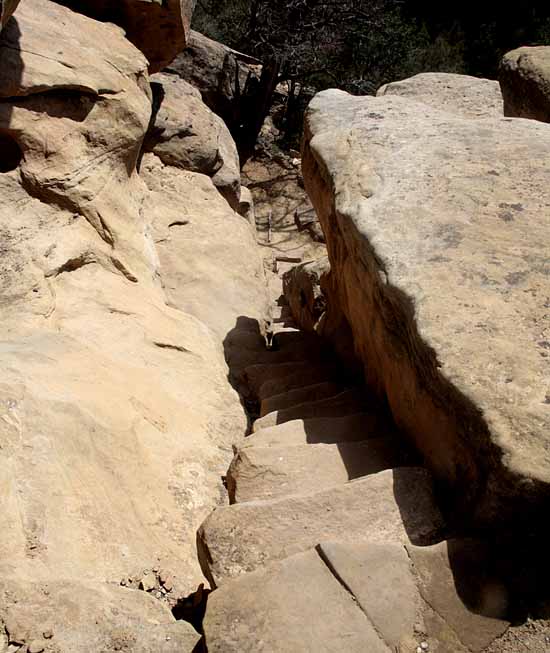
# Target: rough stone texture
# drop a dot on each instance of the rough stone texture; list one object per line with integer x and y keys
{"x": 85, "y": 616}
{"x": 302, "y": 289}
{"x": 394, "y": 505}
{"x": 294, "y": 605}
{"x": 288, "y": 399}
{"x": 437, "y": 241}
{"x": 315, "y": 305}
{"x": 201, "y": 241}
{"x": 188, "y": 135}
{"x": 462, "y": 95}
{"x": 270, "y": 472}
{"x": 379, "y": 577}
{"x": 346, "y": 402}
{"x": 159, "y": 29}
{"x": 116, "y": 414}
{"x": 323, "y": 430}
{"x": 455, "y": 580}
{"x": 524, "y": 77}
{"x": 246, "y": 207}
{"x": 266, "y": 380}
{"x": 7, "y": 7}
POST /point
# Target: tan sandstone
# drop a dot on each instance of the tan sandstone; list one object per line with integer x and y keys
{"x": 436, "y": 229}
{"x": 116, "y": 414}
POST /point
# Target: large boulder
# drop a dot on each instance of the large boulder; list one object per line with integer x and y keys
{"x": 159, "y": 29}
{"x": 116, "y": 413}
{"x": 219, "y": 73}
{"x": 188, "y": 135}
{"x": 7, "y": 7}
{"x": 468, "y": 96}
{"x": 437, "y": 240}
{"x": 525, "y": 81}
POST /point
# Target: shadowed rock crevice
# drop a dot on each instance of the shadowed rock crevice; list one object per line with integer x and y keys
{"x": 11, "y": 154}
{"x": 73, "y": 104}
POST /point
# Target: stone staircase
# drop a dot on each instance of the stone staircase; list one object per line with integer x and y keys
{"x": 333, "y": 539}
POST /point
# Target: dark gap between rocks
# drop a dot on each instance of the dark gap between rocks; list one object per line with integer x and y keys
{"x": 10, "y": 153}
{"x": 192, "y": 608}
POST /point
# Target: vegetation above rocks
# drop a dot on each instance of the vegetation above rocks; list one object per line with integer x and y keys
{"x": 358, "y": 45}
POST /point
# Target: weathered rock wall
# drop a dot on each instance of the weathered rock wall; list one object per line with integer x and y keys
{"x": 436, "y": 231}
{"x": 116, "y": 414}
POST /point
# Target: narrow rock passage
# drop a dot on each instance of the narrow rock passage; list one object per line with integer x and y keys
{"x": 333, "y": 539}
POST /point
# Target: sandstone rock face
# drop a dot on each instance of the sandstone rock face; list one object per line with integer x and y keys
{"x": 116, "y": 412}
{"x": 7, "y": 7}
{"x": 525, "y": 81}
{"x": 200, "y": 241}
{"x": 466, "y": 96}
{"x": 159, "y": 29}
{"x": 437, "y": 235}
{"x": 188, "y": 135}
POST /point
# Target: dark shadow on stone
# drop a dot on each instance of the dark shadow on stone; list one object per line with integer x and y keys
{"x": 153, "y": 135}
{"x": 11, "y": 73}
{"x": 10, "y": 153}
{"x": 192, "y": 608}
{"x": 246, "y": 345}
{"x": 73, "y": 104}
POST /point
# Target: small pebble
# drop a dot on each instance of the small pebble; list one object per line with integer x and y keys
{"x": 419, "y": 650}
{"x": 123, "y": 582}
{"x": 159, "y": 595}
{"x": 36, "y": 646}
{"x": 424, "y": 646}
{"x": 148, "y": 583}
{"x": 48, "y": 634}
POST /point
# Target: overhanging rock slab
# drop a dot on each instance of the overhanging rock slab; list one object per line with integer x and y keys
{"x": 437, "y": 228}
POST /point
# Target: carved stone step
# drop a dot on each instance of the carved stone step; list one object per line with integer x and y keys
{"x": 324, "y": 430}
{"x": 273, "y": 472}
{"x": 267, "y": 379}
{"x": 393, "y": 505}
{"x": 293, "y": 606}
{"x": 299, "y": 396}
{"x": 346, "y": 402}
